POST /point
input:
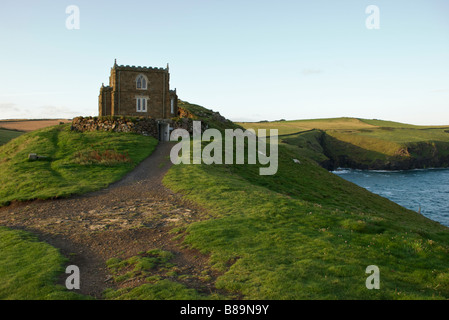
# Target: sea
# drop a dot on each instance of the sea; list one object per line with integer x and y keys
{"x": 421, "y": 190}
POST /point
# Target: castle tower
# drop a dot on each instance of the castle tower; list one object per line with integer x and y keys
{"x": 138, "y": 91}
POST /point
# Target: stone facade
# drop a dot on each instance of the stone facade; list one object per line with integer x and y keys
{"x": 139, "y": 92}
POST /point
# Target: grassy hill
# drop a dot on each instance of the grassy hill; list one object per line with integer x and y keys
{"x": 307, "y": 234}
{"x": 303, "y": 233}
{"x": 365, "y": 144}
{"x": 74, "y": 162}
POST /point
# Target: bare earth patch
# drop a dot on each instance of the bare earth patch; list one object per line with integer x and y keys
{"x": 133, "y": 215}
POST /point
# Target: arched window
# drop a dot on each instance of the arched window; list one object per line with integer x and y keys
{"x": 141, "y": 82}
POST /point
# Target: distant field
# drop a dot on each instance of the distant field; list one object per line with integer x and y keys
{"x": 364, "y": 125}
{"x": 30, "y": 125}
{"x": 288, "y": 127}
{"x": 10, "y": 129}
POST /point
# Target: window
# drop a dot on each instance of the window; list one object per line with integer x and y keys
{"x": 172, "y": 105}
{"x": 141, "y": 104}
{"x": 141, "y": 82}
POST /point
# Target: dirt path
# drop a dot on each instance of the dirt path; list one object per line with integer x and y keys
{"x": 130, "y": 216}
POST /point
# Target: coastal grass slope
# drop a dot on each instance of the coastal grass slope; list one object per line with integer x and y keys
{"x": 305, "y": 233}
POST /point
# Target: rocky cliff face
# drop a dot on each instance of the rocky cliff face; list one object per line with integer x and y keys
{"x": 332, "y": 153}
{"x": 417, "y": 155}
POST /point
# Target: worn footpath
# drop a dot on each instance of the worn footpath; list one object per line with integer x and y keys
{"x": 132, "y": 215}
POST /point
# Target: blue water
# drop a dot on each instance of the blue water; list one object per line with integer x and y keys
{"x": 427, "y": 189}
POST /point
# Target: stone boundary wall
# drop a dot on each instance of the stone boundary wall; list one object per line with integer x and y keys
{"x": 141, "y": 125}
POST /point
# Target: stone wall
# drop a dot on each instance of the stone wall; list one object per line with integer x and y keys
{"x": 141, "y": 125}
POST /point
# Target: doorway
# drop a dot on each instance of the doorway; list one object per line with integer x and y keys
{"x": 163, "y": 132}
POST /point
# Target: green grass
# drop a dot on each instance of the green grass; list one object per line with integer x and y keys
{"x": 75, "y": 162}
{"x": 140, "y": 266}
{"x": 29, "y": 268}
{"x": 161, "y": 290}
{"x": 7, "y": 135}
{"x": 162, "y": 278}
{"x": 305, "y": 233}
{"x": 308, "y": 144}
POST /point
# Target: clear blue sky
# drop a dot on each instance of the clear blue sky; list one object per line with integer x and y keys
{"x": 249, "y": 60}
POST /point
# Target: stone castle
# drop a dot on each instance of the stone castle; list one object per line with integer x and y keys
{"x": 138, "y": 91}
{"x": 139, "y": 100}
